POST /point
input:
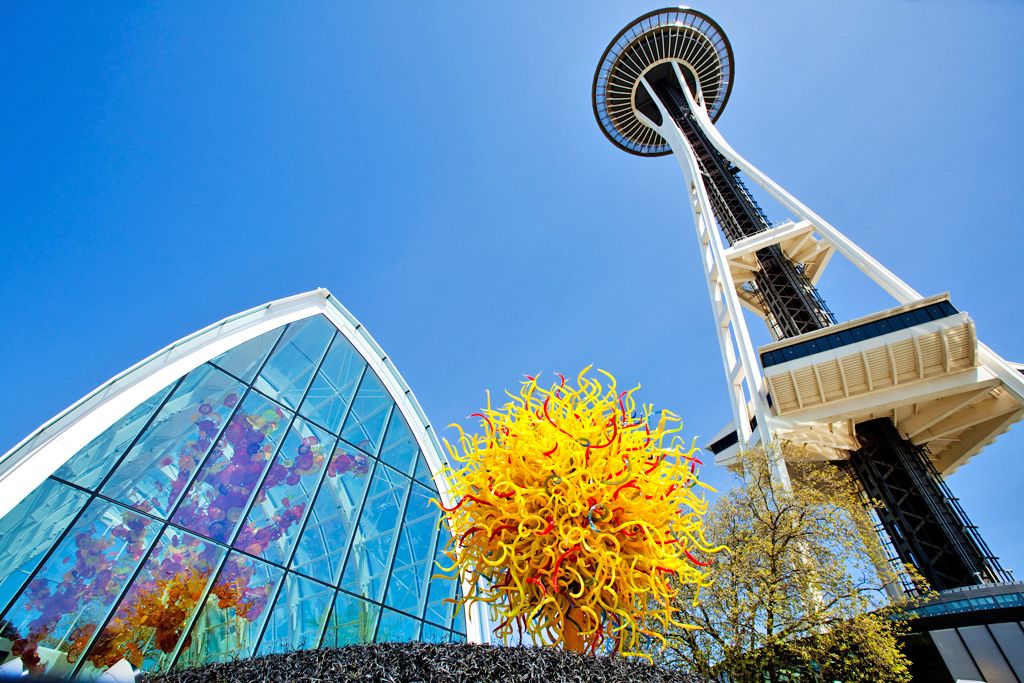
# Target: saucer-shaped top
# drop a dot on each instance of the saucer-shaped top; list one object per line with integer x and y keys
{"x": 682, "y": 35}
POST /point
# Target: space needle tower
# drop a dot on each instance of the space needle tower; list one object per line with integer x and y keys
{"x": 901, "y": 397}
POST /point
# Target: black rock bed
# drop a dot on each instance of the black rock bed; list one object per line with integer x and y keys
{"x": 427, "y": 663}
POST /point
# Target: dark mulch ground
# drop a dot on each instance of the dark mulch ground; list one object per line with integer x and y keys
{"x": 428, "y": 663}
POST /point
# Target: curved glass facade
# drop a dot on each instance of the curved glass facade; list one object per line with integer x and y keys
{"x": 271, "y": 499}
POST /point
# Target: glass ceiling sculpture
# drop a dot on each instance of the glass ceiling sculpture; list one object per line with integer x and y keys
{"x": 274, "y": 496}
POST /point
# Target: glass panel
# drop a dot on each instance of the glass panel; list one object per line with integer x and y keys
{"x": 352, "y": 621}
{"x": 434, "y": 634}
{"x": 367, "y": 566}
{"x": 88, "y": 466}
{"x": 299, "y": 616}
{"x": 423, "y": 472}
{"x": 30, "y": 529}
{"x": 276, "y": 515}
{"x": 158, "y": 467}
{"x": 459, "y": 622}
{"x": 217, "y": 500}
{"x": 234, "y": 612}
{"x": 441, "y": 589}
{"x": 395, "y": 627}
{"x": 413, "y": 565}
{"x": 321, "y": 548}
{"x": 329, "y": 397}
{"x": 150, "y": 620}
{"x": 60, "y": 610}
{"x": 399, "y": 449}
{"x": 245, "y": 359}
{"x": 286, "y": 375}
{"x": 369, "y": 414}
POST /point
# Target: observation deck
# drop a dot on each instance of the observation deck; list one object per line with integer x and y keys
{"x": 651, "y": 43}
{"x": 917, "y": 365}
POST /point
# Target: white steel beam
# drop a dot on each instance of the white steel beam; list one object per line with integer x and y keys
{"x": 738, "y": 356}
{"x": 749, "y": 245}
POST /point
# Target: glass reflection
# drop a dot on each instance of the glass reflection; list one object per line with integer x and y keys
{"x": 150, "y": 620}
{"x": 434, "y": 634}
{"x": 286, "y": 375}
{"x": 331, "y": 392}
{"x": 321, "y": 549}
{"x": 233, "y": 614}
{"x": 367, "y": 567}
{"x": 352, "y": 621}
{"x": 155, "y": 472}
{"x": 88, "y": 466}
{"x": 442, "y": 590}
{"x": 245, "y": 359}
{"x": 281, "y": 503}
{"x": 59, "y": 612}
{"x": 399, "y": 449}
{"x": 30, "y": 529}
{"x": 299, "y": 616}
{"x": 369, "y": 414}
{"x": 413, "y": 565}
{"x": 218, "y": 498}
{"x": 395, "y": 627}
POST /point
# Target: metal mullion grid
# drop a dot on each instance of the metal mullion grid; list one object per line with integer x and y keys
{"x": 362, "y": 505}
{"x": 421, "y": 607}
{"x": 394, "y": 550}
{"x": 309, "y": 513}
{"x": 355, "y": 525}
{"x": 357, "y": 509}
{"x": 213, "y": 442}
{"x": 273, "y": 347}
{"x": 157, "y": 519}
{"x": 178, "y": 527}
{"x": 351, "y": 399}
{"x": 113, "y": 606}
{"x": 229, "y": 543}
{"x": 377, "y": 463}
{"x": 323, "y": 477}
{"x": 426, "y": 594}
{"x": 90, "y": 495}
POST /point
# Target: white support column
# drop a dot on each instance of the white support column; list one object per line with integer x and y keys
{"x": 738, "y": 357}
{"x": 885, "y": 278}
{"x": 882, "y": 276}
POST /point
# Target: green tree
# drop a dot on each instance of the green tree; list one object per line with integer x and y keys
{"x": 802, "y": 588}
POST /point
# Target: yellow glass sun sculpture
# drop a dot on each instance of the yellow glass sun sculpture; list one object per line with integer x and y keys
{"x": 571, "y": 513}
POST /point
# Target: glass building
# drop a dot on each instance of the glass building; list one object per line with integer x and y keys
{"x": 260, "y": 486}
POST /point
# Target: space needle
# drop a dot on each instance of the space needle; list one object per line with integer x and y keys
{"x": 901, "y": 398}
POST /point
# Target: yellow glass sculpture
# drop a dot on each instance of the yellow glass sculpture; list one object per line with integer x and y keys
{"x": 572, "y": 512}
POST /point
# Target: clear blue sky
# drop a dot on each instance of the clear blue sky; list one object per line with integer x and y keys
{"x": 438, "y": 168}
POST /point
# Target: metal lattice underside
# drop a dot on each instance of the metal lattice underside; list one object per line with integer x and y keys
{"x": 685, "y": 36}
{"x": 924, "y": 522}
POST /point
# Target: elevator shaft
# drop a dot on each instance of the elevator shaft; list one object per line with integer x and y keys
{"x": 924, "y": 523}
